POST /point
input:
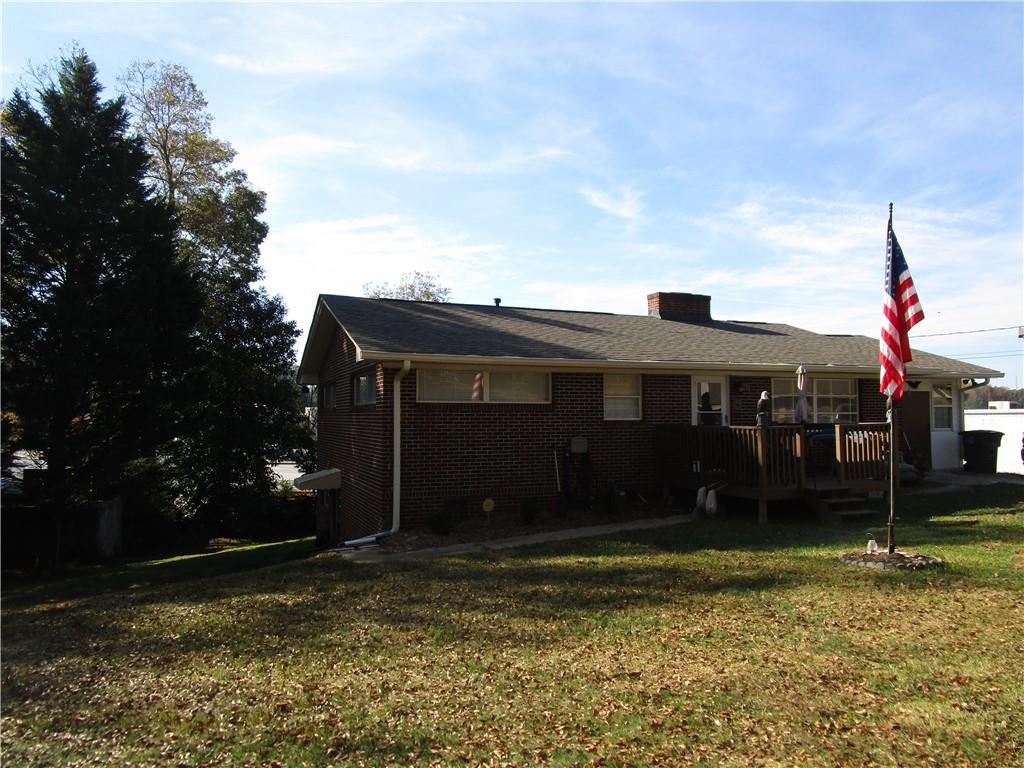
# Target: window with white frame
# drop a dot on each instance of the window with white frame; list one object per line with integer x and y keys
{"x": 784, "y": 397}
{"x": 831, "y": 401}
{"x": 364, "y": 388}
{"x": 942, "y": 407}
{"x": 835, "y": 401}
{"x": 449, "y": 386}
{"x": 622, "y": 399}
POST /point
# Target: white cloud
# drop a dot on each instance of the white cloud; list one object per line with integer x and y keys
{"x": 823, "y": 261}
{"x": 944, "y": 115}
{"x": 348, "y": 39}
{"x": 340, "y": 256}
{"x": 594, "y": 295}
{"x": 380, "y": 137}
{"x": 624, "y": 202}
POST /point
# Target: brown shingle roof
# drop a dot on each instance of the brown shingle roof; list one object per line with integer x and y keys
{"x": 388, "y": 328}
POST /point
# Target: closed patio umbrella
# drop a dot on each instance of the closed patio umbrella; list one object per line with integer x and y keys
{"x": 803, "y": 408}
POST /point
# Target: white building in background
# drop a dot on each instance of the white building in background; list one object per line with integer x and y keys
{"x": 1006, "y": 417}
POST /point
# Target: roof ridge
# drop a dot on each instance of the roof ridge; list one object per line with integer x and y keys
{"x": 477, "y": 306}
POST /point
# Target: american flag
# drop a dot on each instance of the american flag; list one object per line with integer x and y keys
{"x": 901, "y": 311}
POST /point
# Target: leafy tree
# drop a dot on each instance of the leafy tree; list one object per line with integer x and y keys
{"x": 413, "y": 286}
{"x": 245, "y": 409}
{"x": 171, "y": 117}
{"x": 98, "y": 309}
{"x": 980, "y": 397}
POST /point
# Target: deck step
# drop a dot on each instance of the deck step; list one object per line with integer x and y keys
{"x": 842, "y": 502}
{"x": 841, "y": 515}
{"x": 858, "y": 512}
{"x": 837, "y": 492}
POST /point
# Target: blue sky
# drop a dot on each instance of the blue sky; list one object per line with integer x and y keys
{"x": 582, "y": 156}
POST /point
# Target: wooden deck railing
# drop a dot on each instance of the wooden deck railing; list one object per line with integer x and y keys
{"x": 862, "y": 453}
{"x": 773, "y": 458}
{"x": 739, "y": 456}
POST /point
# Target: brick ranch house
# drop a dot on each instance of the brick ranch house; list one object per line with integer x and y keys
{"x": 490, "y": 396}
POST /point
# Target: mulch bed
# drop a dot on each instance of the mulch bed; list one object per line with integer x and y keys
{"x": 473, "y": 531}
{"x": 897, "y": 561}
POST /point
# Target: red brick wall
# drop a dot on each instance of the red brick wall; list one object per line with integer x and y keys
{"x": 870, "y": 403}
{"x": 354, "y": 439}
{"x": 679, "y": 306}
{"x": 471, "y": 451}
{"x": 744, "y": 392}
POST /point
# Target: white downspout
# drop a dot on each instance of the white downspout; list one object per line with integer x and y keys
{"x": 396, "y": 462}
{"x": 396, "y": 448}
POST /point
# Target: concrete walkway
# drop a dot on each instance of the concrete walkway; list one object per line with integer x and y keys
{"x": 953, "y": 477}
{"x": 375, "y": 554}
{"x": 947, "y": 480}
{"x": 938, "y": 481}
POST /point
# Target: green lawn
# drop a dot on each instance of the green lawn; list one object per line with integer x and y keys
{"x": 722, "y": 643}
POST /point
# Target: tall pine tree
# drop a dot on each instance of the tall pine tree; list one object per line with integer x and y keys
{"x": 98, "y": 309}
{"x": 246, "y": 409}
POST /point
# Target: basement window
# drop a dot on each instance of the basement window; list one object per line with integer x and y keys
{"x": 622, "y": 398}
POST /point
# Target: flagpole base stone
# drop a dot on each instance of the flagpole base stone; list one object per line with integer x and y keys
{"x": 892, "y": 561}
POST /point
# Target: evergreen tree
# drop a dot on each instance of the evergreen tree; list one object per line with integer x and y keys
{"x": 97, "y": 309}
{"x": 246, "y": 406}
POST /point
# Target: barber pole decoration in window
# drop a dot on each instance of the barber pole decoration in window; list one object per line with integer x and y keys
{"x": 478, "y": 387}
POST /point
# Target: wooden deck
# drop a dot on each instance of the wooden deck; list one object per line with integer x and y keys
{"x": 773, "y": 463}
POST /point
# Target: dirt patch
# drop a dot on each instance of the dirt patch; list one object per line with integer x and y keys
{"x": 897, "y": 561}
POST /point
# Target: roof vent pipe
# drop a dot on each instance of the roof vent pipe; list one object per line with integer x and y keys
{"x": 497, "y": 302}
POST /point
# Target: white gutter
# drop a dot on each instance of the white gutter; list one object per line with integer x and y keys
{"x": 640, "y": 366}
{"x": 973, "y": 384}
{"x": 396, "y": 462}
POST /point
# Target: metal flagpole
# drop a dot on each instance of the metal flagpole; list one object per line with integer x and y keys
{"x": 893, "y": 461}
{"x": 894, "y": 467}
{"x": 901, "y": 312}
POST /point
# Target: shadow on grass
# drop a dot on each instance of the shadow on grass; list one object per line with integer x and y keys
{"x": 524, "y": 597}
{"x": 157, "y": 573}
{"x": 351, "y": 609}
{"x": 792, "y": 527}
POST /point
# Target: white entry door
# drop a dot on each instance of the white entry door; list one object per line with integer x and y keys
{"x": 710, "y": 401}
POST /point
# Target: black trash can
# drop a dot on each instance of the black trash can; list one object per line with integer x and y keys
{"x": 981, "y": 448}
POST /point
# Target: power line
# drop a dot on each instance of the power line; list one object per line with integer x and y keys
{"x": 979, "y": 357}
{"x": 957, "y": 333}
{"x": 986, "y": 352}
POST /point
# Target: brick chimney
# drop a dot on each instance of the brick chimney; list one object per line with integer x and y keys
{"x": 688, "y": 307}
